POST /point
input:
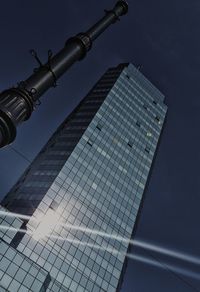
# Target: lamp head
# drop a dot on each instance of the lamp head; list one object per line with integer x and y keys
{"x": 124, "y": 5}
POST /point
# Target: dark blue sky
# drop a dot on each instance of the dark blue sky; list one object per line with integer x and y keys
{"x": 163, "y": 37}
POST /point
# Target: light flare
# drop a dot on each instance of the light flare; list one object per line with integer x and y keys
{"x": 139, "y": 258}
{"x": 46, "y": 230}
{"x": 15, "y": 215}
{"x": 166, "y": 251}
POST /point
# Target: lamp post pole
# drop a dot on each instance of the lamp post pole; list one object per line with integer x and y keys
{"x": 17, "y": 104}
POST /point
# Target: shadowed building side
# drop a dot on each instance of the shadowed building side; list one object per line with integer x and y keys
{"x": 29, "y": 191}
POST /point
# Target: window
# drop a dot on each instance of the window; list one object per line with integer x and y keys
{"x": 130, "y": 145}
{"x": 157, "y": 119}
{"x": 138, "y": 124}
{"x": 147, "y": 149}
{"x": 99, "y": 127}
{"x": 154, "y": 102}
{"x": 89, "y": 142}
{"x": 54, "y": 205}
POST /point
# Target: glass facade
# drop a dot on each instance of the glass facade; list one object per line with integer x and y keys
{"x": 88, "y": 180}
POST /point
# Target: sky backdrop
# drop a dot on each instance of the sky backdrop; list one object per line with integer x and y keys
{"x": 163, "y": 38}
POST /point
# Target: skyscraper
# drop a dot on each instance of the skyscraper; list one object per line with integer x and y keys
{"x": 87, "y": 183}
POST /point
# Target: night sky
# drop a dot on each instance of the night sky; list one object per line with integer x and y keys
{"x": 162, "y": 37}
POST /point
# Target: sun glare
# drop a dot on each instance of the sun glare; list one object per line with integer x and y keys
{"x": 46, "y": 225}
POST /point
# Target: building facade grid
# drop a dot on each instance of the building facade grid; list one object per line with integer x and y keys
{"x": 91, "y": 175}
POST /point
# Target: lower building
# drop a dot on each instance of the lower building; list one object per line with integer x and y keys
{"x": 83, "y": 192}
